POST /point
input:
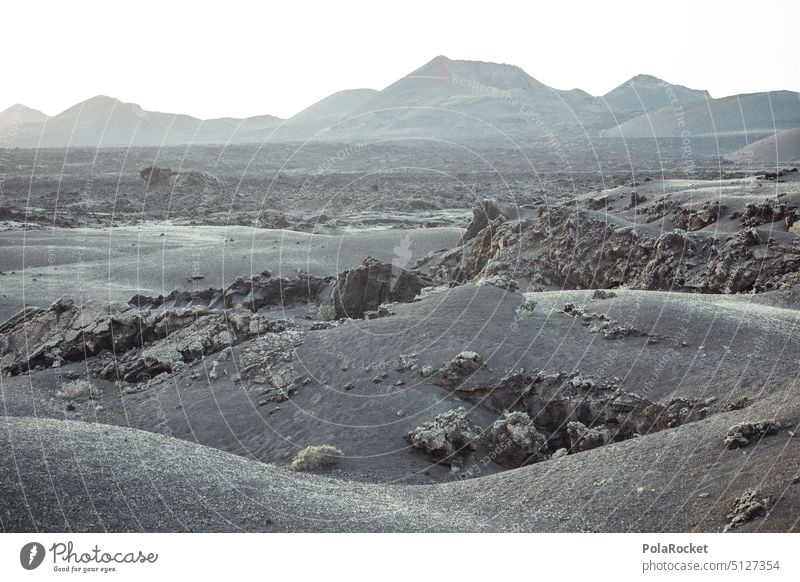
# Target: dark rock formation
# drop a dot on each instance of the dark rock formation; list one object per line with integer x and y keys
{"x": 746, "y": 507}
{"x": 449, "y": 438}
{"x": 485, "y": 213}
{"x": 600, "y": 294}
{"x": 765, "y": 213}
{"x": 252, "y": 293}
{"x": 158, "y": 177}
{"x": 576, "y": 248}
{"x": 744, "y": 433}
{"x": 582, "y": 438}
{"x": 152, "y": 335}
{"x": 515, "y": 442}
{"x": 493, "y": 227}
{"x": 636, "y": 199}
{"x": 692, "y": 218}
{"x": 553, "y": 400}
{"x": 464, "y": 364}
{"x": 366, "y": 287}
{"x": 130, "y": 343}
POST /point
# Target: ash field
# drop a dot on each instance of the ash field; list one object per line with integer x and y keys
{"x": 414, "y": 309}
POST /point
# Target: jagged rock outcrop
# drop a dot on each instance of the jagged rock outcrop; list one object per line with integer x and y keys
{"x": 266, "y": 290}
{"x": 582, "y": 249}
{"x": 545, "y": 412}
{"x": 130, "y": 343}
{"x": 486, "y": 212}
{"x": 583, "y": 438}
{"x": 746, "y": 507}
{"x": 156, "y": 177}
{"x": 449, "y": 438}
{"x": 553, "y": 400}
{"x": 493, "y": 227}
{"x": 209, "y": 333}
{"x": 570, "y": 247}
{"x": 150, "y": 335}
{"x": 514, "y": 440}
{"x": 766, "y": 212}
{"x": 461, "y": 366}
{"x": 64, "y": 332}
{"x": 159, "y": 177}
{"x": 365, "y": 288}
{"x": 744, "y": 433}
{"x": 697, "y": 218}
{"x": 266, "y": 365}
{"x": 252, "y": 293}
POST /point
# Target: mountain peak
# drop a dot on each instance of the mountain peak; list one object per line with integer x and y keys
{"x": 645, "y": 80}
{"x": 21, "y": 108}
{"x": 17, "y": 107}
{"x": 465, "y": 75}
{"x": 648, "y": 93}
{"x": 19, "y": 114}
{"x": 100, "y": 104}
{"x": 438, "y": 59}
{"x": 103, "y": 99}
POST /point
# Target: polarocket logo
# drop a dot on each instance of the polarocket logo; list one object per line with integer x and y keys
{"x": 31, "y": 555}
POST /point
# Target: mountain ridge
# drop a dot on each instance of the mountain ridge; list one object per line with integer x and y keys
{"x": 754, "y": 114}
{"x": 443, "y": 99}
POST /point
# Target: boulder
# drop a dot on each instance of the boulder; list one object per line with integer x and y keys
{"x": 746, "y": 507}
{"x": 744, "y": 433}
{"x": 583, "y": 438}
{"x": 155, "y": 176}
{"x": 515, "y": 441}
{"x": 487, "y": 211}
{"x": 365, "y": 288}
{"x": 461, "y": 366}
{"x": 159, "y": 177}
{"x": 449, "y": 438}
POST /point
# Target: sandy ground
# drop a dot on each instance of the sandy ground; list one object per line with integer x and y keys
{"x": 41, "y": 265}
{"x": 72, "y": 476}
{"x": 157, "y": 458}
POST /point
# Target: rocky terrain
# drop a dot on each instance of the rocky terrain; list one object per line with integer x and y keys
{"x": 613, "y": 360}
{"x": 730, "y": 237}
{"x": 465, "y": 302}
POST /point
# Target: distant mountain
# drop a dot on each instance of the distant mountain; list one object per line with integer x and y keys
{"x": 782, "y": 147}
{"x": 753, "y": 115}
{"x": 16, "y": 117}
{"x": 445, "y": 99}
{"x": 107, "y": 122}
{"x": 647, "y": 93}
{"x": 320, "y": 117}
{"x": 332, "y": 108}
{"x": 448, "y": 98}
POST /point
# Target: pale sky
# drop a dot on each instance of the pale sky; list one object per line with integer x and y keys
{"x": 235, "y": 58}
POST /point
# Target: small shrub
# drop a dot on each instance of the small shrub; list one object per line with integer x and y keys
{"x": 77, "y": 389}
{"x": 326, "y": 312}
{"x": 527, "y": 307}
{"x": 316, "y": 457}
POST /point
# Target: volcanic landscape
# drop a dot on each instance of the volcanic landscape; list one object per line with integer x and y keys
{"x": 467, "y": 302}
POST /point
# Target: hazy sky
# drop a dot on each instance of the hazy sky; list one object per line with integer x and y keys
{"x": 233, "y": 58}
